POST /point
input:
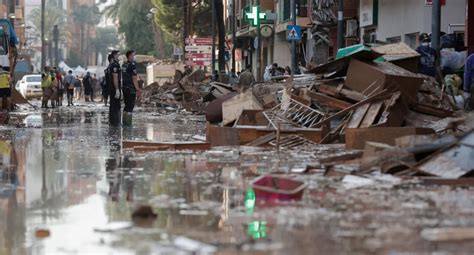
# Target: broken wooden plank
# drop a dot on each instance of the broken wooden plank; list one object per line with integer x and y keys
{"x": 460, "y": 182}
{"x": 357, "y": 137}
{"x": 430, "y": 110}
{"x": 199, "y": 146}
{"x": 329, "y": 101}
{"x": 379, "y": 96}
{"x": 372, "y": 114}
{"x": 262, "y": 140}
{"x": 333, "y": 91}
{"x": 357, "y": 116}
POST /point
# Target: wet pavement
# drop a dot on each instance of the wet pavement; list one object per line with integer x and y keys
{"x": 71, "y": 178}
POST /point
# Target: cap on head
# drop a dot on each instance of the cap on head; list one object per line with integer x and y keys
{"x": 424, "y": 37}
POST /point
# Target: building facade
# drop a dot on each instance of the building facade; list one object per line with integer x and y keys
{"x": 403, "y": 21}
{"x": 276, "y": 48}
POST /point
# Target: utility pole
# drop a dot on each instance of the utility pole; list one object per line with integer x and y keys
{"x": 436, "y": 26}
{"x": 213, "y": 27}
{"x": 56, "y": 45}
{"x": 233, "y": 34}
{"x": 43, "y": 46}
{"x": 259, "y": 47}
{"x": 293, "y": 43}
{"x": 340, "y": 24}
{"x": 184, "y": 4}
{"x": 12, "y": 12}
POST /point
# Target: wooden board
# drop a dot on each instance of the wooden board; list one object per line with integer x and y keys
{"x": 357, "y": 137}
{"x": 144, "y": 145}
{"x": 371, "y": 115}
{"x": 357, "y": 116}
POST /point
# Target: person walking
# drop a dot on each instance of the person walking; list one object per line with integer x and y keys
{"x": 46, "y": 84}
{"x": 131, "y": 89}
{"x": 77, "y": 88}
{"x": 69, "y": 84}
{"x": 54, "y": 88}
{"x": 5, "y": 89}
{"x": 61, "y": 88}
{"x": 246, "y": 79}
{"x": 114, "y": 80}
{"x": 95, "y": 87}
{"x": 87, "y": 82}
{"x": 427, "y": 62}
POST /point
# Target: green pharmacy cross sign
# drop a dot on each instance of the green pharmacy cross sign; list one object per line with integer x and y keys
{"x": 253, "y": 15}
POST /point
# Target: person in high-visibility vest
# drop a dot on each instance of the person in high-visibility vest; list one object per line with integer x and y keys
{"x": 46, "y": 84}
{"x": 5, "y": 89}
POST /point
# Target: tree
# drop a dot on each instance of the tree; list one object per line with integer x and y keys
{"x": 106, "y": 38}
{"x": 221, "y": 33}
{"x": 170, "y": 15}
{"x": 86, "y": 16}
{"x": 136, "y": 27}
{"x": 55, "y": 16}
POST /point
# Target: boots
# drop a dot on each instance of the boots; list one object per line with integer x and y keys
{"x": 127, "y": 119}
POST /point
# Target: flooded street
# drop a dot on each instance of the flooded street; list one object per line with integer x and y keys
{"x": 72, "y": 181}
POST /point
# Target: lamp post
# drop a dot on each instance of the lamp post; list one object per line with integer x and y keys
{"x": 43, "y": 46}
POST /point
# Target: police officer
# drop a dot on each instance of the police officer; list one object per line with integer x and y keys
{"x": 5, "y": 90}
{"x": 131, "y": 90}
{"x": 113, "y": 80}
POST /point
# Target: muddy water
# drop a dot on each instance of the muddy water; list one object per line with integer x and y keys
{"x": 72, "y": 178}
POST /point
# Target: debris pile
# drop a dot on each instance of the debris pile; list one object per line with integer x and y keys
{"x": 191, "y": 90}
{"x": 389, "y": 118}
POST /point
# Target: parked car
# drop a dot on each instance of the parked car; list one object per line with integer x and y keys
{"x": 30, "y": 86}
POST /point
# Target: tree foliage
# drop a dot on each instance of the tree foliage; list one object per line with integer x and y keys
{"x": 169, "y": 17}
{"x": 106, "y": 39}
{"x": 86, "y": 16}
{"x": 54, "y": 16}
{"x": 134, "y": 24}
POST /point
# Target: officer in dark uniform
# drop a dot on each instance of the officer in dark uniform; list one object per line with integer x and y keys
{"x": 113, "y": 79}
{"x": 131, "y": 90}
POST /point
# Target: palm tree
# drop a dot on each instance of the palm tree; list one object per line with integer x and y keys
{"x": 55, "y": 16}
{"x": 86, "y": 16}
{"x": 112, "y": 11}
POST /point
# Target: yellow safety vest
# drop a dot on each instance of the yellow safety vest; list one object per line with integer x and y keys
{"x": 46, "y": 82}
{"x": 4, "y": 81}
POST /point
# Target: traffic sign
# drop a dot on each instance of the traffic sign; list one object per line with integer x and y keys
{"x": 198, "y": 63}
{"x": 430, "y": 2}
{"x": 178, "y": 51}
{"x": 199, "y": 48}
{"x": 199, "y": 41}
{"x": 199, "y": 55}
{"x": 294, "y": 32}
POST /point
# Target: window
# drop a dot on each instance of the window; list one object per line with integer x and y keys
{"x": 33, "y": 78}
{"x": 301, "y": 11}
{"x": 412, "y": 40}
{"x": 395, "y": 39}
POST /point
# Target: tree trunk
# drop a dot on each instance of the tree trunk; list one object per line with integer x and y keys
{"x": 221, "y": 34}
{"x": 185, "y": 25}
{"x": 82, "y": 40}
{"x": 159, "y": 41}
